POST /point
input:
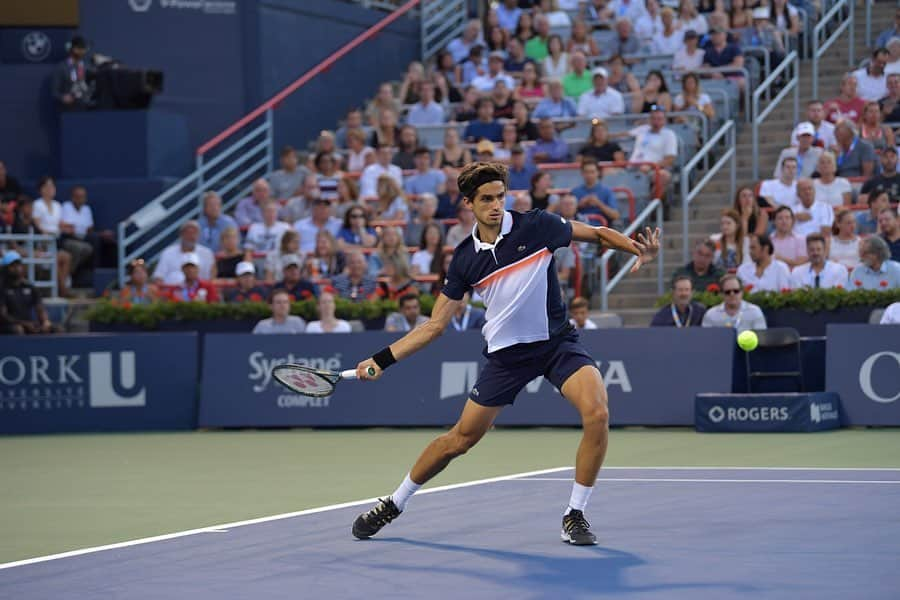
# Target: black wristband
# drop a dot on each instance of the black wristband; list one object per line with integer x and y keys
{"x": 384, "y": 358}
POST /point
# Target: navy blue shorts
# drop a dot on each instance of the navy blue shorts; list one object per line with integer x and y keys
{"x": 509, "y": 370}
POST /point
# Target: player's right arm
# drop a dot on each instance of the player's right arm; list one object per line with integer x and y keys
{"x": 418, "y": 338}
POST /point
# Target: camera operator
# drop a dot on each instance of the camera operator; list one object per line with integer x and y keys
{"x": 70, "y": 78}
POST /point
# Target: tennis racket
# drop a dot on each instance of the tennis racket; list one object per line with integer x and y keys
{"x": 312, "y": 382}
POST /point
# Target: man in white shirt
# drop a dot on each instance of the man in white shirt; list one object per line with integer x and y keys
{"x": 508, "y": 13}
{"x": 824, "y": 130}
{"x": 818, "y": 273}
{"x": 655, "y": 143}
{"x": 811, "y": 215}
{"x": 281, "y": 321}
{"x": 76, "y": 225}
{"x": 734, "y": 312}
{"x": 871, "y": 81}
{"x": 485, "y": 83}
{"x": 579, "y": 311}
{"x": 805, "y": 153}
{"x": 602, "y": 101}
{"x": 632, "y": 10}
{"x": 168, "y": 269}
{"x": 765, "y": 273}
{"x": 690, "y": 56}
{"x": 319, "y": 220}
{"x": 426, "y": 111}
{"x": 649, "y": 24}
{"x": 891, "y": 315}
{"x": 368, "y": 181}
{"x": 781, "y": 191}
{"x": 266, "y": 236}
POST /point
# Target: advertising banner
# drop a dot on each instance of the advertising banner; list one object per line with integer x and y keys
{"x": 863, "y": 366}
{"x": 751, "y": 413}
{"x": 97, "y": 383}
{"x": 652, "y": 377}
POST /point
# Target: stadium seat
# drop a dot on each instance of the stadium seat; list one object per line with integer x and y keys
{"x": 782, "y": 340}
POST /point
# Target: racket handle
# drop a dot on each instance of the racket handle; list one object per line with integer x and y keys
{"x": 351, "y": 373}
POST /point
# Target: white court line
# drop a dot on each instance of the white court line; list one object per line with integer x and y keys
{"x": 715, "y": 480}
{"x": 299, "y": 513}
{"x": 751, "y": 468}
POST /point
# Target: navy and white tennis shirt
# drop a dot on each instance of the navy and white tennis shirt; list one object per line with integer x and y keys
{"x": 515, "y": 276}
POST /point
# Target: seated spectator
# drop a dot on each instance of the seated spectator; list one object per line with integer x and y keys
{"x": 289, "y": 246}
{"x": 847, "y": 105}
{"x": 555, "y": 105}
{"x": 410, "y": 87}
{"x": 890, "y": 231}
{"x": 819, "y": 272}
{"x": 581, "y": 40}
{"x": 655, "y": 143}
{"x": 359, "y": 155}
{"x": 192, "y": 288}
{"x": 655, "y": 93}
{"x": 426, "y": 180}
{"x": 299, "y": 206}
{"x": 390, "y": 245}
{"x": 867, "y": 222}
{"x": 213, "y": 222}
{"x": 620, "y": 79}
{"x": 536, "y": 47}
{"x": 230, "y": 253}
{"x": 844, "y": 241}
{"x": 168, "y": 269}
{"x": 692, "y": 98}
{"x": 873, "y": 130}
{"x": 408, "y": 316}
{"x": 891, "y": 32}
{"x": 526, "y": 130}
{"x": 406, "y": 147}
{"x": 516, "y": 61}
{"x": 530, "y": 86}
{"x": 830, "y": 188}
{"x": 391, "y": 204}
{"x": 503, "y": 101}
{"x": 384, "y": 101}
{"x": 325, "y": 144}
{"x": 347, "y": 196}
{"x": 783, "y": 190}
{"x": 485, "y": 83}
{"x": 733, "y": 247}
{"x": 891, "y": 315}
{"x": 76, "y": 228}
{"x": 468, "y": 108}
{"x": 722, "y": 53}
{"x": 431, "y": 245}
{"x": 356, "y": 232}
{"x": 689, "y": 57}
{"x": 326, "y": 260}
{"x": 21, "y": 309}
{"x": 319, "y": 220}
{"x": 425, "y": 215}
{"x": 520, "y": 202}
{"x": 249, "y": 209}
{"x": 549, "y": 148}
{"x": 806, "y": 155}
{"x": 46, "y": 214}
{"x": 281, "y": 320}
{"x": 888, "y": 181}
{"x": 671, "y": 38}
{"x": 286, "y": 181}
{"x": 353, "y": 121}
{"x": 876, "y": 270}
{"x": 467, "y": 317}
{"x": 823, "y": 136}
{"x": 753, "y": 220}
{"x": 602, "y": 101}
{"x": 871, "y": 81}
{"x": 890, "y": 104}
{"x": 790, "y": 246}
{"x": 682, "y": 311}
{"x": 734, "y": 312}
{"x": 594, "y": 198}
{"x": 578, "y": 312}
{"x": 785, "y": 17}
{"x": 451, "y": 198}
{"x": 395, "y": 268}
{"x": 471, "y": 37}
{"x": 689, "y": 18}
{"x": 484, "y": 151}
{"x": 355, "y": 285}
{"x": 137, "y": 289}
{"x": 9, "y": 185}
{"x": 539, "y": 191}
{"x": 766, "y": 273}
{"x": 599, "y": 147}
{"x": 509, "y": 139}
{"x": 578, "y": 80}
{"x": 508, "y": 13}
{"x": 246, "y": 290}
{"x": 265, "y": 235}
{"x": 763, "y": 34}
{"x": 625, "y": 42}
{"x": 463, "y": 228}
{"x": 386, "y": 132}
{"x": 520, "y": 170}
{"x": 486, "y": 126}
{"x": 811, "y": 215}
{"x": 452, "y": 154}
{"x": 327, "y": 175}
{"x": 701, "y": 270}
{"x": 649, "y": 24}
{"x": 327, "y": 322}
{"x": 293, "y": 283}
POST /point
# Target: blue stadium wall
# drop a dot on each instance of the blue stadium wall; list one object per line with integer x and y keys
{"x": 218, "y": 65}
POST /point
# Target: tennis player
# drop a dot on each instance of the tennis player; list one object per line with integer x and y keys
{"x": 508, "y": 259}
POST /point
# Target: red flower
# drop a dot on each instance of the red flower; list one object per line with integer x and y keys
{"x": 883, "y": 283}
{"x": 857, "y": 283}
{"x": 255, "y": 297}
{"x": 748, "y": 287}
{"x": 785, "y": 290}
{"x": 839, "y": 286}
{"x": 713, "y": 287}
{"x": 126, "y": 305}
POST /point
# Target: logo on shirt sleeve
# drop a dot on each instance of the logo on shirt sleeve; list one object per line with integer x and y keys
{"x": 562, "y": 220}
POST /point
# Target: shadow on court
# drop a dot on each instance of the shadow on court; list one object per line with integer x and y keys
{"x": 584, "y": 570}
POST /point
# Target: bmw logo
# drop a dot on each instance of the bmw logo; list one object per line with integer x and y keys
{"x": 36, "y": 46}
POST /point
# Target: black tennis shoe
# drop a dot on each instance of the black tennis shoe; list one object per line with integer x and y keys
{"x": 369, "y": 523}
{"x": 576, "y": 530}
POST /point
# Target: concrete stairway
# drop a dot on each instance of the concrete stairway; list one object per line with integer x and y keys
{"x": 633, "y": 299}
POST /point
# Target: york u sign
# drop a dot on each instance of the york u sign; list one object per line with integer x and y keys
{"x": 97, "y": 383}
{"x": 863, "y": 366}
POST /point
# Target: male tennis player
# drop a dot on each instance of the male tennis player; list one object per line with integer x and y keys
{"x": 508, "y": 259}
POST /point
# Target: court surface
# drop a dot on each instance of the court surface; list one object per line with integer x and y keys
{"x": 665, "y": 532}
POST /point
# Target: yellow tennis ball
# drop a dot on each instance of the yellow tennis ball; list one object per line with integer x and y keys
{"x": 748, "y": 341}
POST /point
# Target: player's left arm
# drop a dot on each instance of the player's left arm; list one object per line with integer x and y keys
{"x": 645, "y": 247}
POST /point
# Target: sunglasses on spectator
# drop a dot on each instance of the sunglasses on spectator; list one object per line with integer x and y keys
{"x": 731, "y": 292}
{"x": 358, "y": 216}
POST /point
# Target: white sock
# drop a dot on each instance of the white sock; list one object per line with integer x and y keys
{"x": 580, "y": 496}
{"x": 405, "y": 492}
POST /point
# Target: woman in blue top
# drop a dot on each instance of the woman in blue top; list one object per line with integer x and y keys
{"x": 356, "y": 232}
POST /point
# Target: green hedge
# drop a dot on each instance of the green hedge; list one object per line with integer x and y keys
{"x": 807, "y": 299}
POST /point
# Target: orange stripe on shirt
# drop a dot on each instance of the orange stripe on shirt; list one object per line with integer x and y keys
{"x": 512, "y": 268}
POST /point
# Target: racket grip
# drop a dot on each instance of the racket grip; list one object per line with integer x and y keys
{"x": 351, "y": 373}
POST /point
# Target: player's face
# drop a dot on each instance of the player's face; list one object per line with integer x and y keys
{"x": 488, "y": 203}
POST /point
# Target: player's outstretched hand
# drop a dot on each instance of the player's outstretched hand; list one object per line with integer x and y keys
{"x": 647, "y": 244}
{"x": 362, "y": 369}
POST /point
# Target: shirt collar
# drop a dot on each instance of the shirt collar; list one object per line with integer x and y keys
{"x": 505, "y": 228}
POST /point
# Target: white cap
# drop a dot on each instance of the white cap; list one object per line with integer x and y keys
{"x": 601, "y": 71}
{"x": 761, "y": 12}
{"x": 806, "y": 128}
{"x": 190, "y": 258}
{"x": 245, "y": 268}
{"x": 290, "y": 259}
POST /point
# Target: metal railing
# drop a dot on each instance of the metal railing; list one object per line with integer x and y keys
{"x": 819, "y": 48}
{"x": 727, "y": 132}
{"x": 230, "y": 170}
{"x": 441, "y": 21}
{"x": 608, "y": 285}
{"x": 748, "y": 82}
{"x": 791, "y": 62}
{"x": 36, "y": 251}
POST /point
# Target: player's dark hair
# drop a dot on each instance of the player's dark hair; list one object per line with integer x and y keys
{"x": 406, "y": 298}
{"x": 476, "y": 174}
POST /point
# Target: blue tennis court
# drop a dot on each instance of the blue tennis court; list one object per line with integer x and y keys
{"x": 664, "y": 533}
